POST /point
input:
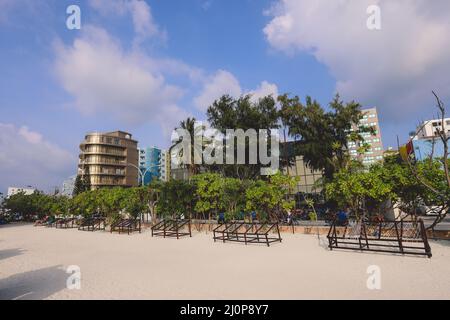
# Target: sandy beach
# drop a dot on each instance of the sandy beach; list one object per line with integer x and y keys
{"x": 34, "y": 260}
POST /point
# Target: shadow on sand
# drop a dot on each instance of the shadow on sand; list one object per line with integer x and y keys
{"x": 9, "y": 253}
{"x": 33, "y": 285}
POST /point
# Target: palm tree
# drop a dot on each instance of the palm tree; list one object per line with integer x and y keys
{"x": 189, "y": 125}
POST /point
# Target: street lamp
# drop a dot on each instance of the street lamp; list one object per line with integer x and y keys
{"x": 146, "y": 170}
{"x": 142, "y": 175}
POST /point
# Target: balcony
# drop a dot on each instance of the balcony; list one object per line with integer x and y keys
{"x": 105, "y": 163}
{"x": 119, "y": 144}
{"x": 100, "y": 172}
{"x": 109, "y": 184}
{"x": 104, "y": 152}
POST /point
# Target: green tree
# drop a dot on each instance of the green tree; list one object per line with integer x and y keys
{"x": 189, "y": 126}
{"x": 233, "y": 196}
{"x": 322, "y": 137}
{"x": 243, "y": 113}
{"x": 361, "y": 190}
{"x": 269, "y": 198}
{"x": 176, "y": 198}
{"x": 209, "y": 192}
{"x": 82, "y": 184}
{"x": 133, "y": 202}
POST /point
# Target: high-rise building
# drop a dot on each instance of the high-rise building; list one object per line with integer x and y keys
{"x": 149, "y": 164}
{"x": 375, "y": 151}
{"x": 165, "y": 165}
{"x": 109, "y": 159}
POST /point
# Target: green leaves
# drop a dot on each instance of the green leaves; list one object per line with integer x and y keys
{"x": 267, "y": 196}
{"x": 209, "y": 192}
{"x": 350, "y": 188}
{"x": 229, "y": 113}
{"x": 393, "y": 180}
{"x": 322, "y": 137}
{"x": 82, "y": 184}
{"x": 176, "y": 198}
{"x": 37, "y": 203}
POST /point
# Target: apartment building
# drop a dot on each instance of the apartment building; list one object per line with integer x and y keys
{"x": 109, "y": 159}
{"x": 154, "y": 163}
{"x": 165, "y": 165}
{"x": 149, "y": 164}
{"x": 376, "y": 150}
{"x": 431, "y": 128}
{"x": 426, "y": 143}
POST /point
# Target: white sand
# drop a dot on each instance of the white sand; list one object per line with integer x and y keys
{"x": 33, "y": 261}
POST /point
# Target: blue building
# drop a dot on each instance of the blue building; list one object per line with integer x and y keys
{"x": 424, "y": 147}
{"x": 149, "y": 164}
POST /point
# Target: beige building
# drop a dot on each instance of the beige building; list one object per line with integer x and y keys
{"x": 376, "y": 151}
{"x": 165, "y": 165}
{"x": 109, "y": 159}
{"x": 308, "y": 177}
{"x": 430, "y": 129}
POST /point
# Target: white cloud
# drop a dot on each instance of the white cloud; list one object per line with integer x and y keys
{"x": 109, "y": 82}
{"x": 263, "y": 90}
{"x": 394, "y": 68}
{"x": 224, "y": 82}
{"x": 140, "y": 11}
{"x": 26, "y": 158}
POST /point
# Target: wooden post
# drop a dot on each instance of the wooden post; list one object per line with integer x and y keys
{"x": 278, "y": 230}
{"x": 189, "y": 225}
{"x": 399, "y": 239}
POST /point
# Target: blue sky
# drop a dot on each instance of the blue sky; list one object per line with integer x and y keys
{"x": 142, "y": 66}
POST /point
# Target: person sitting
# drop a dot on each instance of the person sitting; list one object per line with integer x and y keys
{"x": 41, "y": 221}
{"x": 342, "y": 218}
{"x": 253, "y": 214}
{"x": 288, "y": 218}
{"x": 221, "y": 218}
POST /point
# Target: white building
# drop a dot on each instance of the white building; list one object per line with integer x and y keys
{"x": 68, "y": 186}
{"x": 430, "y": 128}
{"x": 165, "y": 170}
{"x": 15, "y": 190}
